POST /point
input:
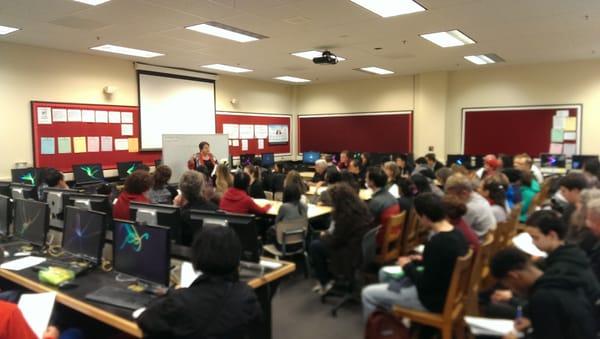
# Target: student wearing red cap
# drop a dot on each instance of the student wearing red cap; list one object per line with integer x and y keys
{"x": 491, "y": 164}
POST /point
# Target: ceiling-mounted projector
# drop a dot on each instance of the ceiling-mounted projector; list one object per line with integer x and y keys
{"x": 327, "y": 58}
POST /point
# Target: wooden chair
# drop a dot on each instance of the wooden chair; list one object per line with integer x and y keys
{"x": 290, "y": 233}
{"x": 479, "y": 273}
{"x": 410, "y": 234}
{"x": 453, "y": 312}
{"x": 506, "y": 230}
{"x": 390, "y": 248}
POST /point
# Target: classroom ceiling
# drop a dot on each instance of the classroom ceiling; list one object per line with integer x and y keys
{"x": 519, "y": 31}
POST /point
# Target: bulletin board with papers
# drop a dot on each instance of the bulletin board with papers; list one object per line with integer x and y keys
{"x": 66, "y": 134}
{"x": 534, "y": 130}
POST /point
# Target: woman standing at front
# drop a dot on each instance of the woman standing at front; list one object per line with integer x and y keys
{"x": 203, "y": 161}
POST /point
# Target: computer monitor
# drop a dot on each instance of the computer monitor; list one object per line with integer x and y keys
{"x": 477, "y": 161}
{"x": 577, "y": 161}
{"x": 88, "y": 174}
{"x": 83, "y": 234}
{"x": 553, "y": 160}
{"x": 5, "y": 188}
{"x": 310, "y": 157}
{"x": 126, "y": 168}
{"x": 57, "y": 199}
{"x": 142, "y": 251}
{"x": 31, "y": 221}
{"x": 23, "y": 191}
{"x": 458, "y": 159}
{"x": 507, "y": 160}
{"x": 267, "y": 159}
{"x": 242, "y": 224}
{"x": 29, "y": 176}
{"x": 246, "y": 159}
{"x": 168, "y": 216}
{"x": 158, "y": 162}
{"x": 93, "y": 202}
{"x": 5, "y": 215}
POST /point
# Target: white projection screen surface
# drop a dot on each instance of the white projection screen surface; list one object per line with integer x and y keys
{"x": 172, "y": 104}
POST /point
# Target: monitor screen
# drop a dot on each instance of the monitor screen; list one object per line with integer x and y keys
{"x": 126, "y": 168}
{"x": 246, "y": 159}
{"x": 83, "y": 233}
{"x": 5, "y": 188}
{"x": 268, "y": 159}
{"x": 507, "y": 160}
{"x": 310, "y": 157}
{"x": 553, "y": 160}
{"x": 28, "y": 176}
{"x": 458, "y": 159}
{"x": 578, "y": 161}
{"x": 88, "y": 173}
{"x": 31, "y": 221}
{"x": 5, "y": 214}
{"x": 142, "y": 251}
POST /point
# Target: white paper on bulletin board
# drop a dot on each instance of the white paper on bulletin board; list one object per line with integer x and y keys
{"x": 246, "y": 131}
{"x": 278, "y": 134}
{"x": 261, "y": 131}
{"x": 232, "y": 130}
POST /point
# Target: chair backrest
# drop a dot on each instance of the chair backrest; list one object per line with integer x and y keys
{"x": 506, "y": 230}
{"x": 278, "y": 196}
{"x": 289, "y": 232}
{"x": 458, "y": 287}
{"x": 390, "y": 247}
{"x": 369, "y": 246}
{"x": 410, "y": 234}
{"x": 478, "y": 274}
{"x": 268, "y": 195}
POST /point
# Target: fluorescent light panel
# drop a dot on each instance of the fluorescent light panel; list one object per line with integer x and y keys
{"x": 7, "y": 30}
{"x": 93, "y": 2}
{"x": 126, "y": 51}
{"x": 484, "y": 59}
{"x": 448, "y": 39}
{"x": 227, "y": 68}
{"x": 291, "y": 79}
{"x": 388, "y": 8}
{"x": 375, "y": 70}
{"x": 226, "y": 32}
{"x": 313, "y": 54}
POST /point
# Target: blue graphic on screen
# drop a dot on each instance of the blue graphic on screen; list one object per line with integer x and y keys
{"x": 83, "y": 233}
{"x": 28, "y": 177}
{"x": 133, "y": 238}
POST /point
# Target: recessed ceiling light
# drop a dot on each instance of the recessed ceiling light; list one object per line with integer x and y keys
{"x": 227, "y": 68}
{"x": 126, "y": 51}
{"x": 388, "y": 8}
{"x": 93, "y": 2}
{"x": 291, "y": 79}
{"x": 7, "y": 30}
{"x": 375, "y": 70}
{"x": 313, "y": 54}
{"x": 226, "y": 32}
{"x": 448, "y": 39}
{"x": 484, "y": 59}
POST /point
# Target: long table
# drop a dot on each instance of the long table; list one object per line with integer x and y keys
{"x": 364, "y": 193}
{"x": 314, "y": 211}
{"x": 121, "y": 319}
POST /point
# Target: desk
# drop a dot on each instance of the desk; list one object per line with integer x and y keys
{"x": 314, "y": 211}
{"x": 364, "y": 194}
{"x": 307, "y": 175}
{"x": 121, "y": 319}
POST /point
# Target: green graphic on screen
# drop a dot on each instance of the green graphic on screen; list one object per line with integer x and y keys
{"x": 90, "y": 171}
{"x": 28, "y": 177}
{"x": 133, "y": 238}
{"x": 131, "y": 169}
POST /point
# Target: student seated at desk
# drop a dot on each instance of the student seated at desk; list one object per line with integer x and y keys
{"x": 591, "y": 170}
{"x": 344, "y": 160}
{"x": 135, "y": 189}
{"x": 493, "y": 188}
{"x": 354, "y": 168}
{"x": 402, "y": 163}
{"x": 191, "y": 185}
{"x": 432, "y": 162}
{"x": 325, "y": 196}
{"x": 217, "y": 305}
{"x": 294, "y": 178}
{"x": 223, "y": 181}
{"x": 236, "y": 200}
{"x": 256, "y": 189}
{"x": 393, "y": 173}
{"x": 55, "y": 179}
{"x": 320, "y": 168}
{"x": 382, "y": 204}
{"x": 161, "y": 193}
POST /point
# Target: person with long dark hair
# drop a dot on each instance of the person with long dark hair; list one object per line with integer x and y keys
{"x": 493, "y": 188}
{"x": 255, "y": 190}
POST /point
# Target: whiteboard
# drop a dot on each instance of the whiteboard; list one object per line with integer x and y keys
{"x": 178, "y": 148}
{"x": 171, "y": 104}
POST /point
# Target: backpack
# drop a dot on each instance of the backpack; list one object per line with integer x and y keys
{"x": 383, "y": 325}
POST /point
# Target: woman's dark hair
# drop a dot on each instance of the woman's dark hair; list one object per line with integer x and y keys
{"x": 350, "y": 179}
{"x": 138, "y": 182}
{"x": 241, "y": 180}
{"x": 53, "y": 177}
{"x": 216, "y": 251}
{"x": 454, "y": 207}
{"x": 406, "y": 186}
{"x": 431, "y": 206}
{"x": 497, "y": 189}
{"x": 202, "y": 144}
{"x": 332, "y": 176}
{"x": 421, "y": 161}
{"x": 592, "y": 166}
{"x": 506, "y": 260}
{"x": 421, "y": 183}
{"x": 367, "y": 157}
{"x": 348, "y": 209}
{"x": 377, "y": 176}
{"x": 254, "y": 171}
{"x": 291, "y": 193}
{"x": 161, "y": 176}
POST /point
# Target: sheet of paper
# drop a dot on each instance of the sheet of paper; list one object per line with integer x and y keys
{"x": 101, "y": 116}
{"x": 22, "y": 263}
{"x": 114, "y": 117}
{"x": 126, "y": 129}
{"x": 562, "y": 113}
{"x": 524, "y": 242}
{"x": 570, "y": 136}
{"x": 236, "y": 143}
{"x": 106, "y": 144}
{"x": 395, "y": 269}
{"x": 246, "y": 131}
{"x": 74, "y": 115}
{"x": 188, "y": 274}
{"x": 37, "y": 309}
{"x": 556, "y": 149}
{"x": 261, "y": 143}
{"x": 570, "y": 149}
{"x": 64, "y": 145}
{"x": 229, "y": 142}
{"x": 59, "y": 115}
{"x": 133, "y": 145}
{"x": 270, "y": 264}
{"x": 557, "y": 135}
{"x": 261, "y": 131}
{"x": 499, "y": 327}
{"x": 244, "y": 145}
{"x": 233, "y": 130}
{"x": 88, "y": 115}
{"x": 558, "y": 122}
{"x": 127, "y": 117}
{"x": 571, "y": 124}
{"x": 93, "y": 144}
{"x": 79, "y": 145}
{"x": 121, "y": 145}
{"x": 47, "y": 146}
{"x": 44, "y": 116}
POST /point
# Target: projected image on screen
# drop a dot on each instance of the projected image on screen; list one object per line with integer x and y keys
{"x": 142, "y": 251}
{"x": 83, "y": 233}
{"x": 30, "y": 220}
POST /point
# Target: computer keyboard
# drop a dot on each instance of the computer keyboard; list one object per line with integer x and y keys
{"x": 120, "y": 297}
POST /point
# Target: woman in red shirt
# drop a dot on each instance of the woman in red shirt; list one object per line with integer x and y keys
{"x": 204, "y": 161}
{"x": 237, "y": 200}
{"x": 136, "y": 189}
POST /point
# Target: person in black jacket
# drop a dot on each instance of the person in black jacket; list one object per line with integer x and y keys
{"x": 558, "y": 307}
{"x": 256, "y": 189}
{"x": 571, "y": 186}
{"x": 217, "y": 305}
{"x": 191, "y": 185}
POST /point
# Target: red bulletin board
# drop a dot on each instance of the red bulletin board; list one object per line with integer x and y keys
{"x": 513, "y": 130}
{"x": 255, "y": 119}
{"x": 64, "y": 162}
{"x": 365, "y": 132}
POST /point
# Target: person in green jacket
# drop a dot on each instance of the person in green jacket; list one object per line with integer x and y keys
{"x": 529, "y": 188}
